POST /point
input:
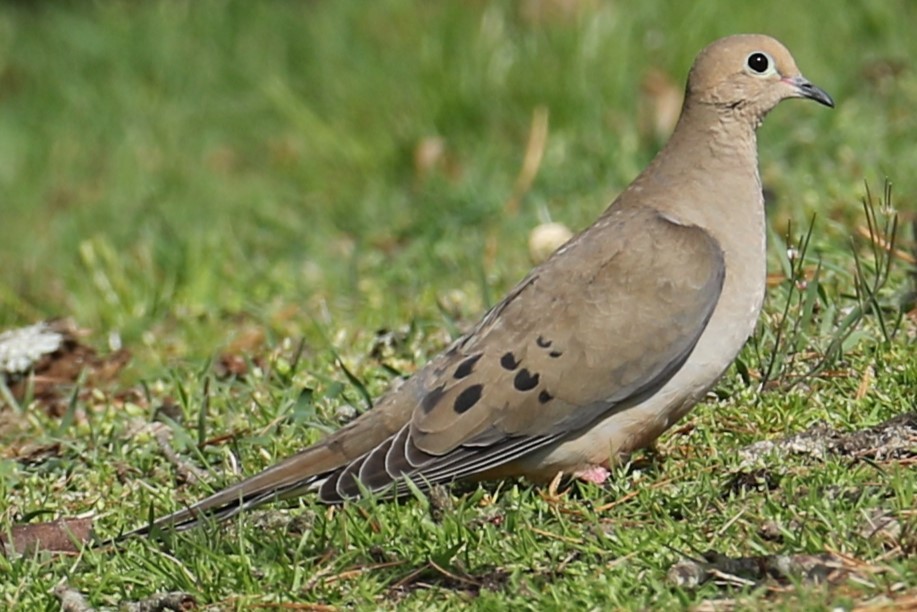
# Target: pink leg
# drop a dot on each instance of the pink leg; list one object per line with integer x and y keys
{"x": 596, "y": 474}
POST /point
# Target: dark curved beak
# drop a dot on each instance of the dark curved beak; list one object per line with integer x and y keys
{"x": 805, "y": 89}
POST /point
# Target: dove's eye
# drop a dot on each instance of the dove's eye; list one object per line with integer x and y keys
{"x": 759, "y": 63}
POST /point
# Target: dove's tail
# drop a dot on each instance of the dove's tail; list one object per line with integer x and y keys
{"x": 301, "y": 473}
{"x": 296, "y": 475}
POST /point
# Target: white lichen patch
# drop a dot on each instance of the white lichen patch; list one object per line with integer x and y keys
{"x": 21, "y": 348}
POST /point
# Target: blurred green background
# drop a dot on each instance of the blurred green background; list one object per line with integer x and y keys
{"x": 167, "y": 165}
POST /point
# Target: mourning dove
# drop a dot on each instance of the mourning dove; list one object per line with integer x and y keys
{"x": 600, "y": 348}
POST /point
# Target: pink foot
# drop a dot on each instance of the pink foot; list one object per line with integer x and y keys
{"x": 596, "y": 474}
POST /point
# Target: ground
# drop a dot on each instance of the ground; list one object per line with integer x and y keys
{"x": 245, "y": 220}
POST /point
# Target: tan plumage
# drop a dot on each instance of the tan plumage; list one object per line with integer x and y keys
{"x": 604, "y": 345}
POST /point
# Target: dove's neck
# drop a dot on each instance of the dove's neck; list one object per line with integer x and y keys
{"x": 713, "y": 156}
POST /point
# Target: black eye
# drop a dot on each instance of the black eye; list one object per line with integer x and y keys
{"x": 758, "y": 62}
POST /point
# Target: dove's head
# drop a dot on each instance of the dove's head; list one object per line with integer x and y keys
{"x": 748, "y": 74}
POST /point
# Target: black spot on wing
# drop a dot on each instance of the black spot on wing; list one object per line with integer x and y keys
{"x": 466, "y": 367}
{"x": 508, "y": 361}
{"x": 467, "y": 398}
{"x": 544, "y": 397}
{"x": 555, "y": 354}
{"x": 432, "y": 398}
{"x": 542, "y": 342}
{"x": 525, "y": 380}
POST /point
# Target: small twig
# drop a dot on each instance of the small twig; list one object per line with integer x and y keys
{"x": 189, "y": 473}
{"x": 865, "y": 382}
{"x": 410, "y": 577}
{"x": 534, "y": 152}
{"x": 555, "y": 536}
{"x": 865, "y": 232}
{"x": 277, "y": 605}
{"x": 224, "y": 438}
{"x": 354, "y": 572}
{"x": 635, "y": 493}
{"x": 730, "y": 522}
{"x": 452, "y": 576}
{"x": 730, "y": 579}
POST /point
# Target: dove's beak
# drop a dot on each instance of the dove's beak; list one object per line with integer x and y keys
{"x": 805, "y": 89}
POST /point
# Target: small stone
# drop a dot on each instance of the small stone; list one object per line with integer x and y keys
{"x": 547, "y": 238}
{"x": 687, "y": 574}
{"x": 770, "y": 531}
{"x": 345, "y": 412}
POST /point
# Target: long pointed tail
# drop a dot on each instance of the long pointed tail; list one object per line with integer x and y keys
{"x": 294, "y": 476}
{"x": 303, "y": 472}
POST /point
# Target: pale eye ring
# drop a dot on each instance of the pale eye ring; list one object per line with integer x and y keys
{"x": 760, "y": 63}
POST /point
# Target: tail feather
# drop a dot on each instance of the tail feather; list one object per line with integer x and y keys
{"x": 221, "y": 506}
{"x": 305, "y": 471}
{"x": 296, "y": 475}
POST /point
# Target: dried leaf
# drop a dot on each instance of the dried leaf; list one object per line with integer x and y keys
{"x": 63, "y": 535}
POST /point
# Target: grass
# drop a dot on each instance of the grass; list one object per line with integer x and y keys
{"x": 197, "y": 179}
